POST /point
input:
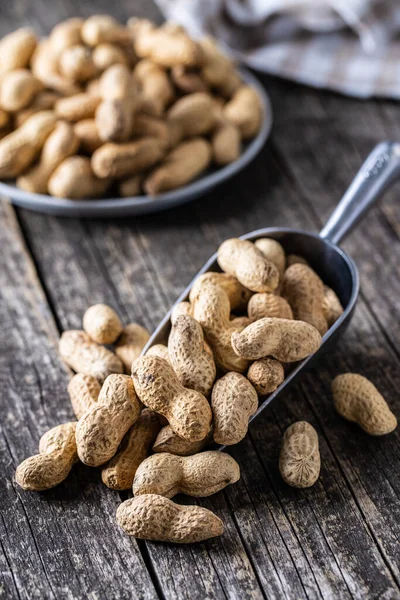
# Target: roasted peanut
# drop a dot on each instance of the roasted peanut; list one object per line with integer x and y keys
{"x": 17, "y": 90}
{"x": 74, "y": 179}
{"x": 76, "y": 63}
{"x": 131, "y": 343}
{"x": 166, "y": 48}
{"x": 118, "y": 474}
{"x": 212, "y": 311}
{"x": 116, "y": 83}
{"x": 60, "y": 144}
{"x": 294, "y": 259}
{"x": 159, "y": 350}
{"x": 115, "y": 115}
{"x": 193, "y": 114}
{"x": 273, "y": 251}
{"x": 226, "y": 144}
{"x": 265, "y": 374}
{"x": 44, "y": 66}
{"x": 57, "y": 455}
{"x": 246, "y": 262}
{"x": 233, "y": 401}
{"x": 100, "y": 430}
{"x": 20, "y": 148}
{"x": 180, "y": 166}
{"x": 77, "y": 107}
{"x": 106, "y": 55}
{"x": 299, "y": 461}
{"x": 65, "y": 34}
{"x": 154, "y": 85}
{"x": 268, "y": 305}
{"x": 88, "y": 136}
{"x": 331, "y": 306}
{"x": 238, "y": 295}
{"x": 152, "y": 517}
{"x": 283, "y": 339}
{"x": 304, "y": 291}
{"x": 168, "y": 441}
{"x": 245, "y": 111}
{"x": 199, "y": 475}
{"x": 357, "y": 400}
{"x": 148, "y": 126}
{"x": 85, "y": 356}
{"x": 157, "y": 386}
{"x": 217, "y": 70}
{"x": 102, "y": 324}
{"x": 194, "y": 366}
{"x": 121, "y": 160}
{"x": 83, "y": 392}
{"x": 99, "y": 29}
{"x": 16, "y": 49}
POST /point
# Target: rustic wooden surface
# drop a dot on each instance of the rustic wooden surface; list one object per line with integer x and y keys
{"x": 339, "y": 539}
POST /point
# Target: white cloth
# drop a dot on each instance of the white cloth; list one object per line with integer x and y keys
{"x": 351, "y": 46}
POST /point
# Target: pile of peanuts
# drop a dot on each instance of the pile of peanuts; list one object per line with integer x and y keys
{"x": 99, "y": 108}
{"x": 147, "y": 420}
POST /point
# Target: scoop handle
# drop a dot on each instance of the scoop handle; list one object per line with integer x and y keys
{"x": 378, "y": 172}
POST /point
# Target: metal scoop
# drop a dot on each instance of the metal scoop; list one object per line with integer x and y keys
{"x": 333, "y": 265}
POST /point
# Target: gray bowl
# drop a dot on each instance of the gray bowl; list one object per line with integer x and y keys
{"x": 139, "y": 205}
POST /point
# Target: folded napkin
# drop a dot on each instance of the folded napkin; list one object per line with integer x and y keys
{"x": 351, "y": 46}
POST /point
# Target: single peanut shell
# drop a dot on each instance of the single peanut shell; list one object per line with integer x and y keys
{"x": 194, "y": 114}
{"x": 20, "y": 148}
{"x": 83, "y": 392}
{"x": 102, "y": 324}
{"x": 44, "y": 65}
{"x": 65, "y": 34}
{"x": 74, "y": 179}
{"x": 273, "y": 251}
{"x": 244, "y": 261}
{"x": 245, "y": 111}
{"x": 283, "y": 339}
{"x": 168, "y": 441}
{"x": 16, "y": 49}
{"x": 60, "y": 144}
{"x": 180, "y": 166}
{"x": 167, "y": 48}
{"x": 116, "y": 83}
{"x": 331, "y": 306}
{"x": 182, "y": 308}
{"x": 226, "y": 144}
{"x": 199, "y": 475}
{"x": 268, "y": 305}
{"x": 85, "y": 356}
{"x": 100, "y": 430}
{"x": 357, "y": 400}
{"x": 194, "y": 366}
{"x": 114, "y": 120}
{"x": 106, "y": 55}
{"x": 99, "y": 29}
{"x": 155, "y": 518}
{"x": 212, "y": 310}
{"x": 238, "y": 295}
{"x": 233, "y": 401}
{"x": 76, "y": 63}
{"x": 130, "y": 344}
{"x": 121, "y": 160}
{"x": 188, "y": 411}
{"x": 217, "y": 70}
{"x": 266, "y": 374}
{"x": 154, "y": 85}
{"x": 300, "y": 461}
{"x": 57, "y": 455}
{"x": 17, "y": 90}
{"x": 77, "y": 107}
{"x": 187, "y": 81}
{"x": 304, "y": 290}
{"x": 118, "y": 474}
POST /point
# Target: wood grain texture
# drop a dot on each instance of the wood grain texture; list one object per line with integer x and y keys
{"x": 338, "y": 539}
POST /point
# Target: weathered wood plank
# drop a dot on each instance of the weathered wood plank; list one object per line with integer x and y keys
{"x": 62, "y": 543}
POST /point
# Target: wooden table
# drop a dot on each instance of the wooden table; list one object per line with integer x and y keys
{"x": 339, "y": 539}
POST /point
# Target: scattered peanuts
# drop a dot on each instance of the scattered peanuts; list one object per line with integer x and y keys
{"x": 200, "y": 384}
{"x": 151, "y": 108}
{"x": 357, "y": 399}
{"x": 299, "y": 461}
